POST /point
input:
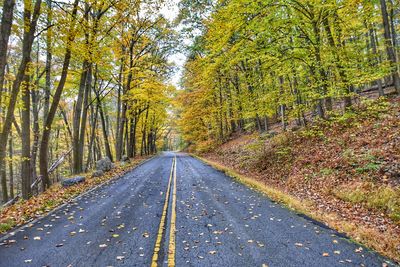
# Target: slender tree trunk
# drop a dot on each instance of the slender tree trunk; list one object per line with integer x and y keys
{"x": 44, "y": 144}
{"x": 49, "y": 33}
{"x": 375, "y": 53}
{"x": 76, "y": 128}
{"x": 105, "y": 134}
{"x": 10, "y": 166}
{"x": 118, "y": 138}
{"x": 393, "y": 28}
{"x": 84, "y": 116}
{"x": 26, "y": 140}
{"x": 5, "y": 30}
{"x": 342, "y": 74}
{"x": 282, "y": 106}
{"x": 389, "y": 46}
{"x": 92, "y": 137}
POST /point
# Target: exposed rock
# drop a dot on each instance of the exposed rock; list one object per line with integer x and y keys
{"x": 97, "y": 173}
{"x": 124, "y": 158}
{"x": 72, "y": 181}
{"x": 104, "y": 164}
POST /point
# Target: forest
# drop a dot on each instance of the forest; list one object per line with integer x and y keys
{"x": 273, "y": 126}
{"x": 79, "y": 81}
{"x": 258, "y": 63}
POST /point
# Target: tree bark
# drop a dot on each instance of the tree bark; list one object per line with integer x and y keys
{"x": 389, "y": 46}
{"x": 5, "y": 30}
{"x": 26, "y": 140}
{"x": 10, "y": 166}
{"x": 76, "y": 124}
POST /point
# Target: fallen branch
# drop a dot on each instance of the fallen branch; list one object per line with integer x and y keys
{"x": 39, "y": 178}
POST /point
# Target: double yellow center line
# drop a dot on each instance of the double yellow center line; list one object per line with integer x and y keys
{"x": 171, "y": 247}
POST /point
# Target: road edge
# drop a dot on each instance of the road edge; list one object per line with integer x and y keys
{"x": 12, "y": 232}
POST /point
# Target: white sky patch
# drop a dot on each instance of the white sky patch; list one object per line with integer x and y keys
{"x": 171, "y": 10}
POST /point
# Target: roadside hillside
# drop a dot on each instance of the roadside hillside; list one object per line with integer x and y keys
{"x": 347, "y": 167}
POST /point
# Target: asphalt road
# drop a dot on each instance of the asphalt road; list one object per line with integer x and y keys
{"x": 209, "y": 220}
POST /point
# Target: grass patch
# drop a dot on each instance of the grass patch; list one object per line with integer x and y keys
{"x": 5, "y": 226}
{"x": 382, "y": 198}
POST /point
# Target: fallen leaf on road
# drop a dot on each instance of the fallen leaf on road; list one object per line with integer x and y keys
{"x": 103, "y": 246}
{"x": 212, "y": 252}
{"x": 81, "y": 231}
{"x": 336, "y": 252}
{"x": 120, "y": 258}
{"x": 298, "y": 244}
{"x": 325, "y": 254}
{"x": 145, "y": 234}
{"x": 28, "y": 261}
{"x": 36, "y": 238}
{"x": 358, "y": 250}
{"x": 115, "y": 235}
{"x": 59, "y": 245}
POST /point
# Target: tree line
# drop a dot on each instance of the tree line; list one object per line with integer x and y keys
{"x": 258, "y": 62}
{"x": 80, "y": 80}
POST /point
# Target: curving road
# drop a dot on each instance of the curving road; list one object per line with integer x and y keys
{"x": 176, "y": 210}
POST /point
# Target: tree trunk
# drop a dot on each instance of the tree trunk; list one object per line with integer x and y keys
{"x": 389, "y": 46}
{"x": 76, "y": 128}
{"x": 118, "y": 138}
{"x": 5, "y": 30}
{"x": 282, "y": 106}
{"x": 49, "y": 32}
{"x": 10, "y": 166}
{"x": 84, "y": 115}
{"x": 29, "y": 32}
{"x": 26, "y": 140}
{"x": 375, "y": 53}
{"x": 92, "y": 137}
{"x": 44, "y": 144}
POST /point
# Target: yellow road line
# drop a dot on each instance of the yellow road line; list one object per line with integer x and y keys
{"x": 171, "y": 248}
{"x": 162, "y": 221}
